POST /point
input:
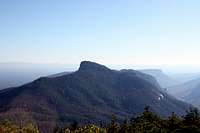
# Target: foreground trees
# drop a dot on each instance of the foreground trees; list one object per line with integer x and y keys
{"x": 8, "y": 127}
{"x": 147, "y": 122}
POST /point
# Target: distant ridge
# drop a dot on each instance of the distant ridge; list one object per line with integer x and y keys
{"x": 163, "y": 79}
{"x": 188, "y": 91}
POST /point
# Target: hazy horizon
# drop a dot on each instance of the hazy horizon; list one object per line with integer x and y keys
{"x": 62, "y": 67}
{"x": 158, "y": 33}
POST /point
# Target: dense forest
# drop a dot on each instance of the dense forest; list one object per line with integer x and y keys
{"x": 147, "y": 122}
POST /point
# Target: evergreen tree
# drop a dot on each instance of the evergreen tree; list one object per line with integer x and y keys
{"x": 173, "y": 123}
{"x": 147, "y": 122}
{"x": 74, "y": 125}
{"x": 124, "y": 128}
{"x": 113, "y": 126}
{"x": 192, "y": 118}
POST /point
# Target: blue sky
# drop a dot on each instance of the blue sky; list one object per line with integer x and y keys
{"x": 131, "y": 32}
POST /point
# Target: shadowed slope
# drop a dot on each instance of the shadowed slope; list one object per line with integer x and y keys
{"x": 90, "y": 94}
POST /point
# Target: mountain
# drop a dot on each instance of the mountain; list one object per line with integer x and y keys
{"x": 194, "y": 95}
{"x": 90, "y": 94}
{"x": 182, "y": 90}
{"x": 188, "y": 91}
{"x": 163, "y": 79}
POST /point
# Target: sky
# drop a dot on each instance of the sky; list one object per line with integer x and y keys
{"x": 125, "y": 32}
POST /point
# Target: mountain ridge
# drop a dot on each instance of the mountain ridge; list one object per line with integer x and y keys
{"x": 163, "y": 79}
{"x": 90, "y": 94}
